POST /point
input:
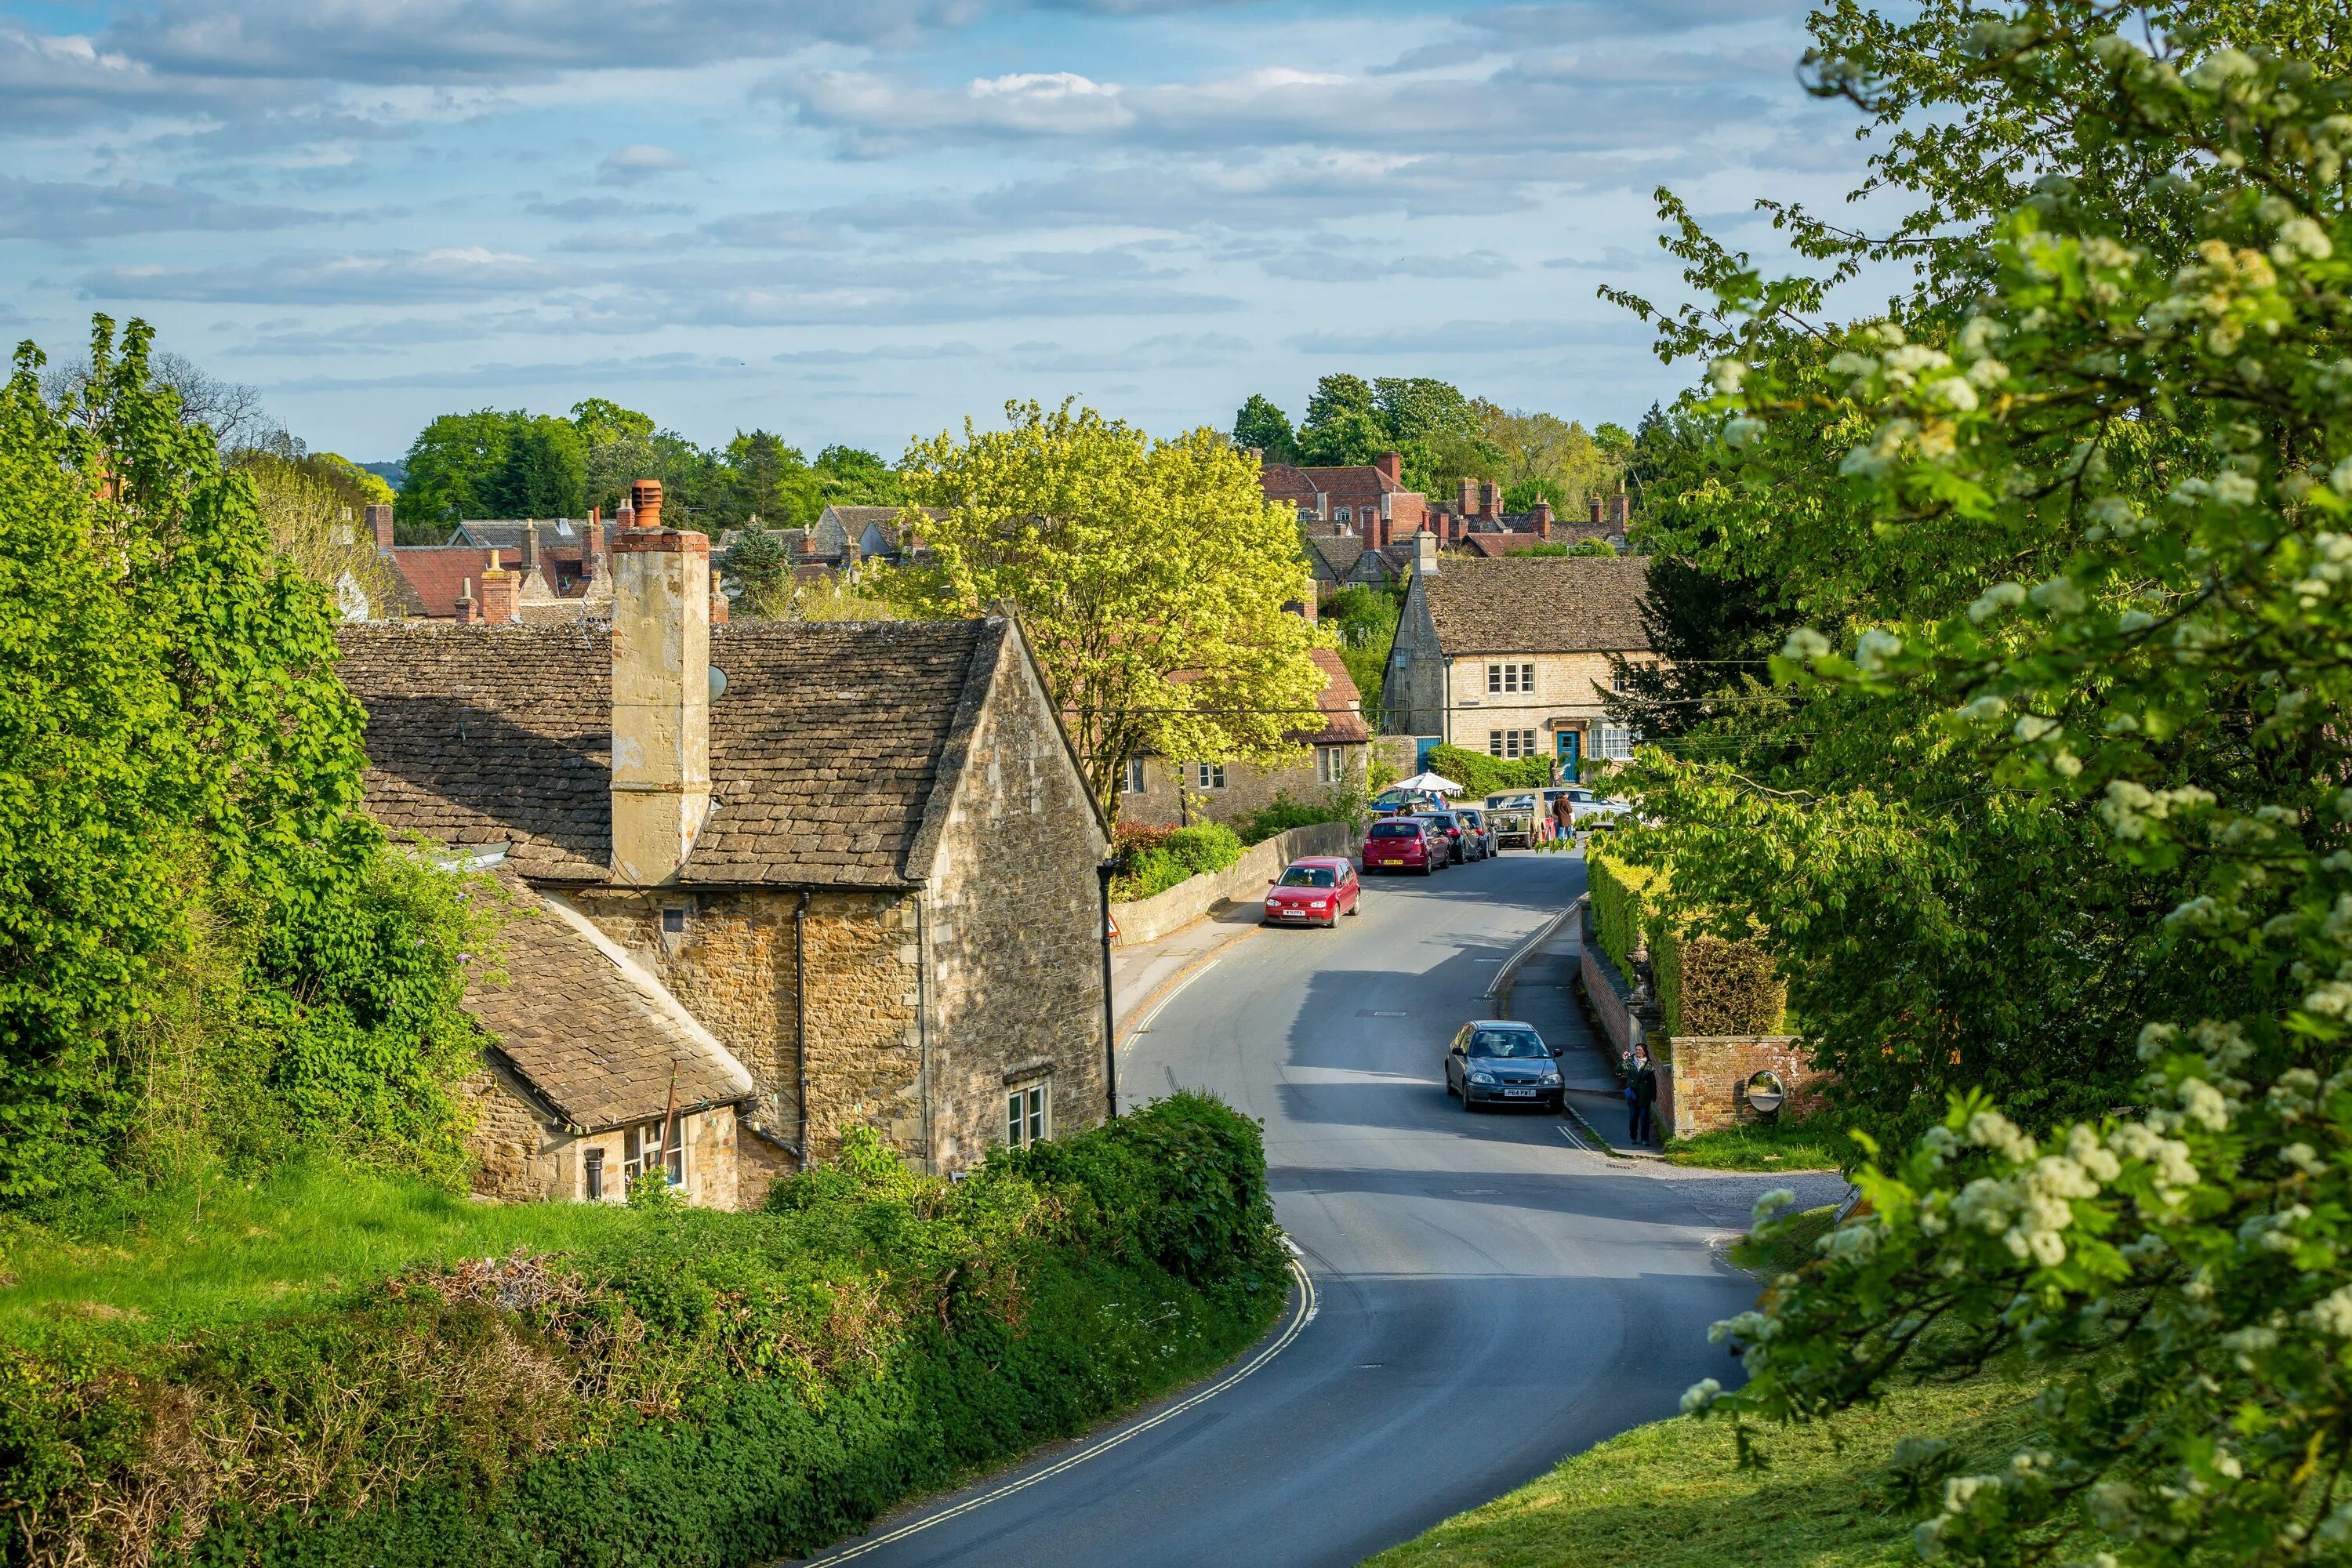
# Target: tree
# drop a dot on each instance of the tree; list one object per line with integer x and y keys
{"x": 452, "y": 467}
{"x": 601, "y": 421}
{"x": 1259, "y": 423}
{"x": 1149, "y": 576}
{"x": 850, "y": 475}
{"x": 758, "y": 565}
{"x": 541, "y": 472}
{"x": 315, "y": 526}
{"x": 1342, "y": 425}
{"x": 693, "y": 480}
{"x": 2077, "y": 520}
{"x": 1538, "y": 450}
{"x": 769, "y": 480}
{"x": 1365, "y": 617}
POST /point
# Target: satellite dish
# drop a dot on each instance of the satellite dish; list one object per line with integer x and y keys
{"x": 718, "y": 683}
{"x": 1766, "y": 1093}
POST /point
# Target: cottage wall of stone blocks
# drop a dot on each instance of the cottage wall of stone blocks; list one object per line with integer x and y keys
{"x": 522, "y": 1153}
{"x": 1014, "y": 934}
{"x": 733, "y": 967}
{"x": 1249, "y": 787}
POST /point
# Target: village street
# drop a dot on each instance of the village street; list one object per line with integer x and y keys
{"x": 1488, "y": 1294}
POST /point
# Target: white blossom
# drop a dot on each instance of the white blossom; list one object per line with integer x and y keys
{"x": 2332, "y": 1315}
{"x": 1804, "y": 644}
{"x": 1727, "y": 373}
{"x": 1991, "y": 1130}
{"x": 1954, "y": 393}
{"x": 1700, "y": 1394}
{"x": 1742, "y": 430}
{"x": 1768, "y": 1204}
{"x": 2032, "y": 727}
{"x": 2234, "y": 489}
{"x": 2300, "y": 236}
{"x": 1875, "y": 647}
{"x": 2060, "y": 596}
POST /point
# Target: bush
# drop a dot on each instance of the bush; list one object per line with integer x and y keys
{"x": 1282, "y": 814}
{"x": 1481, "y": 775}
{"x": 685, "y": 1387}
{"x": 1707, "y": 985}
{"x": 1158, "y": 859}
{"x": 1618, "y": 913}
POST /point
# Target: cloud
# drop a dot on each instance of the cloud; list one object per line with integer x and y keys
{"x": 1454, "y": 338}
{"x": 448, "y": 273}
{"x": 588, "y": 373}
{"x": 597, "y": 209}
{"x": 630, "y": 165}
{"x": 65, "y": 212}
{"x": 1613, "y": 259}
{"x": 1352, "y": 261}
{"x": 958, "y": 349}
{"x": 1168, "y": 351}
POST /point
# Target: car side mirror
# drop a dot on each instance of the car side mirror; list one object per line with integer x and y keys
{"x": 1560, "y": 1050}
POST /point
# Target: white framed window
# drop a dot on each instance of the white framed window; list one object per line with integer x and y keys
{"x": 1135, "y": 776}
{"x": 1344, "y": 515}
{"x": 1510, "y": 677}
{"x": 1029, "y": 1113}
{"x": 1617, "y": 743}
{"x": 1330, "y": 765}
{"x": 642, "y": 1150}
{"x": 1511, "y": 744}
{"x": 1208, "y": 775}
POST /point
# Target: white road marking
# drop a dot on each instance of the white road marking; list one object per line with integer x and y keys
{"x": 1161, "y": 1006}
{"x": 1305, "y": 1315}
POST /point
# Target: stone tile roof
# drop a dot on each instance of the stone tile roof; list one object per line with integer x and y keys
{"x": 1539, "y": 604}
{"x": 1343, "y": 725}
{"x": 825, "y": 754}
{"x": 562, "y": 536}
{"x": 592, "y": 1032}
{"x": 1333, "y": 558}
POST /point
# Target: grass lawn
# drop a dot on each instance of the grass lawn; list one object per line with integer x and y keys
{"x": 1765, "y": 1146}
{"x": 171, "y": 1264}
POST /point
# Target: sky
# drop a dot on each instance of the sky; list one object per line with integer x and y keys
{"x": 866, "y": 220}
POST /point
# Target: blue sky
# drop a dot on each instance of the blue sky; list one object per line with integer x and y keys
{"x": 859, "y": 220}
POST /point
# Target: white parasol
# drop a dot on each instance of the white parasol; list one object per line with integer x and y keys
{"x": 1428, "y": 783}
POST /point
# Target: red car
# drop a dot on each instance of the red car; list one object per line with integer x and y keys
{"x": 1315, "y": 891}
{"x": 1403, "y": 843}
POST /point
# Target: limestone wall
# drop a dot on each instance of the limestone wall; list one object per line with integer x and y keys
{"x": 1250, "y": 787}
{"x": 1012, "y": 921}
{"x": 1149, "y": 920}
{"x": 523, "y": 1154}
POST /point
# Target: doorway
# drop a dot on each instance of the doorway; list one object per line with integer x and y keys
{"x": 1571, "y": 753}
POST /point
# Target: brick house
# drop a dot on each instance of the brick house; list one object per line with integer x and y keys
{"x": 1335, "y": 760}
{"x": 859, "y": 857}
{"x": 1368, "y": 500}
{"x": 531, "y": 569}
{"x": 1511, "y": 657}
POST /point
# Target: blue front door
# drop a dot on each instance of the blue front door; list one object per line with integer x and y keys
{"x": 1571, "y": 749}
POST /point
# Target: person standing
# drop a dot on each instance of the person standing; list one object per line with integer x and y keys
{"x": 1563, "y": 817}
{"x": 1645, "y": 1099}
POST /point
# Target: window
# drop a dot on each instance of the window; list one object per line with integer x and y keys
{"x": 1029, "y": 1114}
{"x": 1330, "y": 765}
{"x": 1135, "y": 776}
{"x": 1511, "y": 744}
{"x": 1209, "y": 775}
{"x": 1345, "y": 516}
{"x": 1501, "y": 678}
{"x": 1616, "y": 744}
{"x": 673, "y": 920}
{"x": 642, "y": 1147}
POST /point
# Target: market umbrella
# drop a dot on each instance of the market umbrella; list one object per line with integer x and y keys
{"x": 1428, "y": 783}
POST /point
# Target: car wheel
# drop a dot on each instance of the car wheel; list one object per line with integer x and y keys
{"x": 1426, "y": 868}
{"x": 1465, "y": 1096}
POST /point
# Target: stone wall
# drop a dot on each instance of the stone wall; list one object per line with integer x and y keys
{"x": 1149, "y": 920}
{"x": 733, "y": 967}
{"x": 508, "y": 1141}
{"x": 1250, "y": 787}
{"x": 1708, "y": 1077}
{"x": 1013, "y": 923}
{"x": 523, "y": 1155}
{"x": 1606, "y": 989}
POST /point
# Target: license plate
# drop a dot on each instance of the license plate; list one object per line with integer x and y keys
{"x": 1294, "y": 915}
{"x": 1519, "y": 1093}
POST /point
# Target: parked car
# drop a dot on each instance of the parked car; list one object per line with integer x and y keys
{"x": 1593, "y": 812}
{"x": 1497, "y": 1062}
{"x": 1516, "y": 818}
{"x": 1447, "y": 826}
{"x": 1475, "y": 826}
{"x": 1401, "y": 844}
{"x": 1316, "y": 890}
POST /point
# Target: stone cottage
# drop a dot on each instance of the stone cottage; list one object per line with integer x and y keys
{"x": 1513, "y": 657}
{"x": 1333, "y": 762}
{"x": 859, "y": 860}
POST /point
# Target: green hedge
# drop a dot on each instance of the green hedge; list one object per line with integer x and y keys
{"x": 704, "y": 1388}
{"x": 1159, "y": 857}
{"x": 1706, "y": 984}
{"x": 1481, "y": 775}
{"x": 1617, "y": 910}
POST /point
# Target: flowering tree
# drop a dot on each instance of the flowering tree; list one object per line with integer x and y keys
{"x": 2165, "y": 438}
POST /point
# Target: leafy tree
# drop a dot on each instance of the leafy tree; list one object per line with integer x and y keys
{"x": 758, "y": 564}
{"x": 1259, "y": 423}
{"x": 1342, "y": 425}
{"x": 1544, "y": 454}
{"x": 315, "y": 525}
{"x": 849, "y": 476}
{"x": 452, "y": 464}
{"x": 542, "y": 471}
{"x": 692, "y": 479}
{"x": 601, "y": 421}
{"x": 1523, "y": 495}
{"x": 2066, "y": 771}
{"x": 1614, "y": 441}
{"x": 1560, "y": 547}
{"x": 1150, "y": 577}
{"x": 194, "y": 898}
{"x": 769, "y": 480}
{"x": 1365, "y": 617}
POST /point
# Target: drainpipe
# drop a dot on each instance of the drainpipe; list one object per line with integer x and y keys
{"x": 800, "y": 1014}
{"x": 1104, "y": 871}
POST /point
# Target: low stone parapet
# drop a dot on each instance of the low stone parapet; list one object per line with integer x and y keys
{"x": 1149, "y": 920}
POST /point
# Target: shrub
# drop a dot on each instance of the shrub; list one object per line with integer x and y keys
{"x": 1618, "y": 914}
{"x": 1282, "y": 814}
{"x": 1159, "y": 859}
{"x": 706, "y": 1388}
{"x": 1481, "y": 775}
{"x": 1707, "y": 985}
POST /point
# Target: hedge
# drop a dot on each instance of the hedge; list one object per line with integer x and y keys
{"x": 1481, "y": 775}
{"x": 1706, "y": 984}
{"x": 708, "y": 1389}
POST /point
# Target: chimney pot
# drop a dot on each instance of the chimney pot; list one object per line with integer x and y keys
{"x": 645, "y": 500}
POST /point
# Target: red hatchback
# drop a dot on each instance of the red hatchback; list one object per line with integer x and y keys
{"x": 1401, "y": 844}
{"x": 1313, "y": 892}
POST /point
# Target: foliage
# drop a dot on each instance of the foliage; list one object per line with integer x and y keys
{"x": 1709, "y": 986}
{"x": 716, "y": 1388}
{"x": 1561, "y": 548}
{"x": 1544, "y": 455}
{"x": 1365, "y": 617}
{"x": 1671, "y": 1494}
{"x": 1150, "y": 577}
{"x": 488, "y": 464}
{"x": 2099, "y": 480}
{"x": 1481, "y": 775}
{"x": 1342, "y": 426}
{"x": 1282, "y": 814}
{"x": 309, "y": 504}
{"x": 209, "y": 949}
{"x": 1523, "y": 494}
{"x": 1783, "y": 1143}
{"x": 834, "y": 597}
{"x": 758, "y": 563}
{"x": 1259, "y": 423}
{"x": 1158, "y": 859}
{"x": 1619, "y": 915}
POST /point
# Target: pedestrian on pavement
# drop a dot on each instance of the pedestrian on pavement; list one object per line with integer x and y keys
{"x": 1645, "y": 1100}
{"x": 1563, "y": 816}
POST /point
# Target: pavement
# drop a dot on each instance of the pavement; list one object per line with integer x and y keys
{"x": 1481, "y": 1294}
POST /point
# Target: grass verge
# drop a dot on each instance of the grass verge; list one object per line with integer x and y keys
{"x": 1670, "y": 1494}
{"x": 1777, "y": 1145}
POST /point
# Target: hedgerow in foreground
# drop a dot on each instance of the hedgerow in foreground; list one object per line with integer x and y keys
{"x": 690, "y": 1388}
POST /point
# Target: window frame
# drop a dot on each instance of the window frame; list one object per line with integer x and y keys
{"x": 1516, "y": 679}
{"x": 1331, "y": 765}
{"x": 1208, "y": 776}
{"x": 1134, "y": 781}
{"x": 1029, "y": 1112}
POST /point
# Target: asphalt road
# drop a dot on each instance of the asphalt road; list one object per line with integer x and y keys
{"x": 1488, "y": 1297}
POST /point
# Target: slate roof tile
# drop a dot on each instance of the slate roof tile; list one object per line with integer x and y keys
{"x": 1539, "y": 605}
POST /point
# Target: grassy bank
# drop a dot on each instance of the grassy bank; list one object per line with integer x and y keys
{"x": 1812, "y": 1145}
{"x": 1670, "y": 1495}
{"x": 327, "y": 1369}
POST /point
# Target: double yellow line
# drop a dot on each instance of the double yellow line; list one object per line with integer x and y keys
{"x": 1300, "y": 1316}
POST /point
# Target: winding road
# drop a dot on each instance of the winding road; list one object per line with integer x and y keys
{"x": 1486, "y": 1293}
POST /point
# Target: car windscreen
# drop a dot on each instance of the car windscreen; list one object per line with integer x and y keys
{"x": 1507, "y": 1043}
{"x": 1396, "y": 829}
{"x": 1436, "y": 821}
{"x": 1309, "y": 877}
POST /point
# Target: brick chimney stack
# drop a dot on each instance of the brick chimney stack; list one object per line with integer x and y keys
{"x": 591, "y": 548}
{"x": 1543, "y": 518}
{"x": 1469, "y": 497}
{"x": 500, "y": 590}
{"x": 469, "y": 612}
{"x": 379, "y": 517}
{"x": 1621, "y": 507}
{"x": 1491, "y": 499}
{"x": 1391, "y": 467}
{"x": 662, "y": 591}
{"x": 1596, "y": 511}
